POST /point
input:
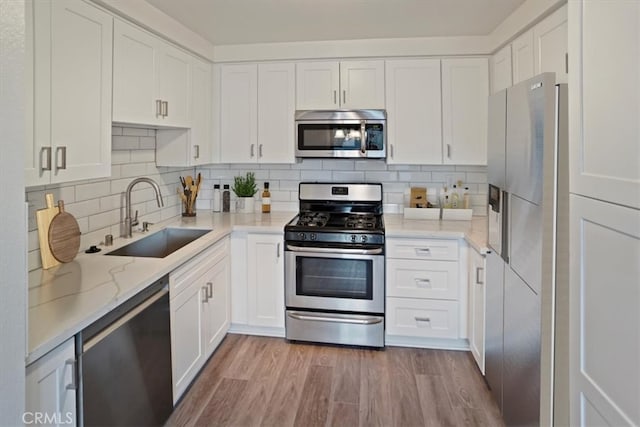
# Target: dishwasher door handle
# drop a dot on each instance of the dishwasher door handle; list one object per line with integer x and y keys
{"x": 124, "y": 319}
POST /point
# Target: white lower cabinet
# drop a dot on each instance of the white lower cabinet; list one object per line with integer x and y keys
{"x": 477, "y": 306}
{"x": 51, "y": 388}
{"x": 199, "y": 306}
{"x": 258, "y": 284}
{"x": 425, "y": 302}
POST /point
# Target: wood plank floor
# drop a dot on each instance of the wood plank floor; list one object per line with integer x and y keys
{"x": 260, "y": 381}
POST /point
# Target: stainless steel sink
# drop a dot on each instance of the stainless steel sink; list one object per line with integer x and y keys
{"x": 161, "y": 243}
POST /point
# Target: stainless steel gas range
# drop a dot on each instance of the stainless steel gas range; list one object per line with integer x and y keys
{"x": 334, "y": 265}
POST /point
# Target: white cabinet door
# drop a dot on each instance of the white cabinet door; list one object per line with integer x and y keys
{"x": 550, "y": 45}
{"x": 174, "y": 87}
{"x": 276, "y": 110}
{"x": 72, "y": 88}
{"x": 362, "y": 84}
{"x": 604, "y": 109}
{"x": 265, "y": 288}
{"x": 414, "y": 114}
{"x": 605, "y": 295}
{"x": 216, "y": 308}
{"x": 51, "y": 388}
{"x": 238, "y": 113}
{"x": 522, "y": 57}
{"x": 187, "y": 335}
{"x": 501, "y": 76}
{"x": 465, "y": 88}
{"x": 317, "y": 85}
{"x": 477, "y": 306}
{"x": 135, "y": 57}
{"x": 201, "y": 148}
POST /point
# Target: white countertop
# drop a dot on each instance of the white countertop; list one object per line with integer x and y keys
{"x": 65, "y": 299}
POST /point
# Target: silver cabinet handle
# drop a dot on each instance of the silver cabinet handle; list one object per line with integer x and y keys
{"x": 363, "y": 137}
{"x": 423, "y": 283}
{"x": 278, "y": 250}
{"x": 205, "y": 296}
{"x": 391, "y": 149}
{"x": 422, "y": 319}
{"x": 209, "y": 290}
{"x": 260, "y": 150}
{"x": 294, "y": 248}
{"x": 449, "y": 150}
{"x": 344, "y": 96}
{"x": 335, "y": 101}
{"x": 478, "y": 275}
{"x": 423, "y": 251}
{"x": 165, "y": 108}
{"x": 252, "y": 153}
{"x": 335, "y": 318}
{"x": 158, "y": 107}
{"x": 197, "y": 148}
{"x": 74, "y": 374}
{"x": 61, "y": 161}
{"x": 46, "y": 164}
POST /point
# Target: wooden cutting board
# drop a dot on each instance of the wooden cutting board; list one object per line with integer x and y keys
{"x": 64, "y": 235}
{"x": 43, "y": 219}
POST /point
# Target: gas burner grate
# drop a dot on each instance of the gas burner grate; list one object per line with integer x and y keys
{"x": 363, "y": 222}
{"x": 313, "y": 219}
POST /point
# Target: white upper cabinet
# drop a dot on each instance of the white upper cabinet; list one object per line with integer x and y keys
{"x": 501, "y": 77}
{"x": 151, "y": 79}
{"x": 362, "y": 84}
{"x": 71, "y": 53}
{"x": 327, "y": 85}
{"x": 194, "y": 146}
{"x": 238, "y": 113}
{"x": 276, "y": 109}
{"x": 465, "y": 88}
{"x": 604, "y": 109}
{"x": 414, "y": 114}
{"x": 550, "y": 45}
{"x": 522, "y": 57}
{"x": 256, "y": 113}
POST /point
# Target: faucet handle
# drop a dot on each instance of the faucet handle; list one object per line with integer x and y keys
{"x": 145, "y": 225}
{"x": 134, "y": 220}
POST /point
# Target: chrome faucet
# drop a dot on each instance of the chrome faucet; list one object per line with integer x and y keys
{"x": 128, "y": 221}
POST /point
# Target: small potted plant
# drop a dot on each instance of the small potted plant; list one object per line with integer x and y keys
{"x": 245, "y": 187}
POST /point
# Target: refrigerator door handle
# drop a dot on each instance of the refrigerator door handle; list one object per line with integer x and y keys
{"x": 505, "y": 227}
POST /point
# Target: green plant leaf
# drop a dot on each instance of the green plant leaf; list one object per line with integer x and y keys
{"x": 245, "y": 186}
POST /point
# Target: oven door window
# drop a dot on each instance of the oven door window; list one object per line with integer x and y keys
{"x": 334, "y": 277}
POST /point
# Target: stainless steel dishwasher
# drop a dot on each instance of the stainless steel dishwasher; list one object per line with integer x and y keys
{"x": 125, "y": 363}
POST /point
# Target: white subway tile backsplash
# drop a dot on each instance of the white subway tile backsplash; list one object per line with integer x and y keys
{"x": 370, "y": 165}
{"x": 448, "y": 178}
{"x": 285, "y": 185}
{"x": 315, "y": 175}
{"x": 414, "y": 176}
{"x": 93, "y": 190}
{"x": 125, "y": 142}
{"x": 116, "y": 130}
{"x": 308, "y": 164}
{"x": 381, "y": 176}
{"x": 147, "y": 142}
{"x": 134, "y": 131}
{"x": 404, "y": 168}
{"x": 84, "y": 208}
{"x": 348, "y": 176}
{"x": 287, "y": 174}
{"x": 338, "y": 164}
{"x": 120, "y": 157}
{"x": 133, "y": 170}
{"x": 477, "y": 177}
{"x": 143, "y": 156}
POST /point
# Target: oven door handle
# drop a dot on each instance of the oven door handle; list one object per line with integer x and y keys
{"x": 376, "y": 251}
{"x": 334, "y": 319}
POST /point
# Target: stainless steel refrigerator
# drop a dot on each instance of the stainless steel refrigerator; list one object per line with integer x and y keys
{"x": 528, "y": 190}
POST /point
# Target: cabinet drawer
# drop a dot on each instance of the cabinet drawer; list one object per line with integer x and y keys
{"x": 422, "y": 279}
{"x": 443, "y": 250}
{"x": 422, "y": 318}
{"x": 183, "y": 276}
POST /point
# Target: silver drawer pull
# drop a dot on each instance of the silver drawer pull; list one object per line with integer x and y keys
{"x": 479, "y": 270}
{"x": 422, "y": 319}
{"x": 335, "y": 319}
{"x": 423, "y": 251}
{"x": 74, "y": 374}
{"x": 423, "y": 283}
{"x": 209, "y": 290}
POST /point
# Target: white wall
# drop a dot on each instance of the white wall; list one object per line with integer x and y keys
{"x": 12, "y": 226}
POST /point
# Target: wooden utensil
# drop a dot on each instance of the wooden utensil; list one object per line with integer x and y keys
{"x": 64, "y": 235}
{"x": 43, "y": 219}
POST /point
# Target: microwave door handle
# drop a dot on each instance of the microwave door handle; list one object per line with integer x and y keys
{"x": 363, "y": 137}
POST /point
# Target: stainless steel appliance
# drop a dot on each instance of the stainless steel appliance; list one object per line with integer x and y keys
{"x": 125, "y": 363}
{"x": 334, "y": 265}
{"x": 526, "y": 173}
{"x": 341, "y": 133}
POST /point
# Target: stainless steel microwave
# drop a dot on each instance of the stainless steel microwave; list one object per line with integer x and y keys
{"x": 341, "y": 133}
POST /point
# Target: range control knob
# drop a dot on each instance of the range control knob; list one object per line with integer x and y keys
{"x": 313, "y": 236}
{"x": 353, "y": 238}
{"x": 302, "y": 236}
{"x": 364, "y": 238}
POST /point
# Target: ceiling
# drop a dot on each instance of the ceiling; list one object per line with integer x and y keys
{"x": 225, "y": 22}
